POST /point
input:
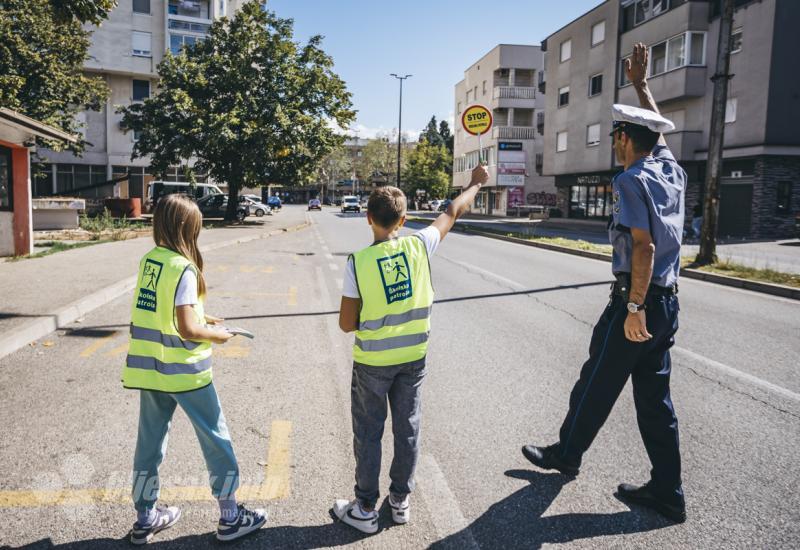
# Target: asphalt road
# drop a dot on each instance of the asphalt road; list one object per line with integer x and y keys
{"x": 510, "y": 331}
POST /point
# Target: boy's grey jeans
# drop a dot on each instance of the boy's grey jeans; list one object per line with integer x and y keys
{"x": 370, "y": 389}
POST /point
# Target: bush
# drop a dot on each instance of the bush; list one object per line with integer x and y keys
{"x": 105, "y": 223}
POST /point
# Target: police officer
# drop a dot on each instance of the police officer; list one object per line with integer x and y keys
{"x": 637, "y": 328}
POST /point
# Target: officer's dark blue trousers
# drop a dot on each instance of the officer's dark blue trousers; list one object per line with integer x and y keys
{"x": 612, "y": 359}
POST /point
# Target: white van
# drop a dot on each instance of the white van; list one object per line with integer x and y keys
{"x": 197, "y": 191}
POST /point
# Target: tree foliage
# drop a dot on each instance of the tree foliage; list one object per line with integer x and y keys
{"x": 43, "y": 47}
{"x": 249, "y": 103}
{"x": 428, "y": 166}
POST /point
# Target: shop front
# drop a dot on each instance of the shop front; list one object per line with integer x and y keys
{"x": 586, "y": 196}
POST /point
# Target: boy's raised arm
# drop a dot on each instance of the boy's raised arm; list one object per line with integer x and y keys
{"x": 446, "y": 220}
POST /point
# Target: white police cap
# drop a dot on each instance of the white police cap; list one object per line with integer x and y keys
{"x": 628, "y": 114}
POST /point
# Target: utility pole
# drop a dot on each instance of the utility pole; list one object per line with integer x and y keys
{"x": 708, "y": 236}
{"x": 400, "y": 124}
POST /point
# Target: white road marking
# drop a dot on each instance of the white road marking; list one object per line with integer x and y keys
{"x": 707, "y": 363}
{"x": 333, "y": 266}
{"x": 329, "y": 255}
{"x": 739, "y": 375}
{"x": 444, "y": 510}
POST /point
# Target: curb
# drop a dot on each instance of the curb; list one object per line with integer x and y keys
{"x": 782, "y": 291}
{"x": 51, "y": 322}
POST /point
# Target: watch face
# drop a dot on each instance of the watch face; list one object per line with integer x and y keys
{"x": 633, "y": 308}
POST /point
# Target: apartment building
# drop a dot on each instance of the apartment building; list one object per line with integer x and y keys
{"x": 760, "y": 189}
{"x": 505, "y": 81}
{"x": 125, "y": 51}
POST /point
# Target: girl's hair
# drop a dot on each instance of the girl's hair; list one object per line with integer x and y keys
{"x": 176, "y": 225}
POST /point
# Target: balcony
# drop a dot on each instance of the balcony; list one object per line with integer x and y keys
{"x": 514, "y": 92}
{"x": 681, "y": 83}
{"x": 683, "y": 144}
{"x": 514, "y": 132}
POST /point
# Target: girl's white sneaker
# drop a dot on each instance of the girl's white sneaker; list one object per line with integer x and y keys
{"x": 351, "y": 513}
{"x": 401, "y": 511}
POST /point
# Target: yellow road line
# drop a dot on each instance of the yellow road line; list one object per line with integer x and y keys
{"x": 279, "y": 463}
{"x": 292, "y": 301}
{"x": 92, "y": 348}
{"x": 268, "y": 269}
{"x": 276, "y": 484}
{"x": 119, "y": 350}
{"x": 247, "y": 268}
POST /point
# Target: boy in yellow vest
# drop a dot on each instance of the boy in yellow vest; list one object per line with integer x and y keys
{"x": 387, "y": 299}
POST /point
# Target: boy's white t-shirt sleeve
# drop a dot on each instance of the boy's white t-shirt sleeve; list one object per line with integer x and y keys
{"x": 349, "y": 284}
{"x": 431, "y": 238}
{"x": 186, "y": 295}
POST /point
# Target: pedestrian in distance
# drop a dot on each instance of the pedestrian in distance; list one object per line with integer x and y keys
{"x": 169, "y": 362}
{"x": 636, "y": 331}
{"x": 387, "y": 300}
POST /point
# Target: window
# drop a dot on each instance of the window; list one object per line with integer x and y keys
{"x": 141, "y": 6}
{"x": 561, "y": 142}
{"x": 784, "y": 197}
{"x": 459, "y": 107}
{"x": 141, "y": 90}
{"x": 683, "y": 50}
{"x": 565, "y": 51}
{"x": 595, "y": 85}
{"x": 484, "y": 87}
{"x": 623, "y": 76}
{"x": 136, "y": 135}
{"x": 563, "y": 96}
{"x": 736, "y": 40}
{"x": 178, "y": 41}
{"x": 221, "y": 8}
{"x": 658, "y": 59}
{"x": 468, "y": 92}
{"x": 140, "y": 43}
{"x": 592, "y": 135}
{"x": 647, "y": 9}
{"x": 730, "y": 110}
{"x": 6, "y": 179}
{"x": 598, "y": 33}
{"x": 475, "y": 93}
{"x": 697, "y": 50}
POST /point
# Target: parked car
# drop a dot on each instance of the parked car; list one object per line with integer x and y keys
{"x": 351, "y": 204}
{"x": 314, "y": 204}
{"x": 444, "y": 205}
{"x": 216, "y": 206}
{"x": 434, "y": 204}
{"x": 158, "y": 189}
{"x": 256, "y": 206}
{"x": 274, "y": 202}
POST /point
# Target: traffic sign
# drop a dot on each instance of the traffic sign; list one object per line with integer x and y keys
{"x": 476, "y": 120}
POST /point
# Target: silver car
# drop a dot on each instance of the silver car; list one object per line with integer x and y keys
{"x": 257, "y": 207}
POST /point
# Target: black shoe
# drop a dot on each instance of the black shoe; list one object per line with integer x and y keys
{"x": 546, "y": 459}
{"x": 644, "y": 496}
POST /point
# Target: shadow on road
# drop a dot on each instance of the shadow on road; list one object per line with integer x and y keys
{"x": 518, "y": 520}
{"x": 103, "y": 330}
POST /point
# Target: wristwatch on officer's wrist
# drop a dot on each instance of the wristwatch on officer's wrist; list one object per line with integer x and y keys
{"x": 633, "y": 307}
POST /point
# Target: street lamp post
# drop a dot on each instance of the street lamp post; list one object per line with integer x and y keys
{"x": 400, "y": 123}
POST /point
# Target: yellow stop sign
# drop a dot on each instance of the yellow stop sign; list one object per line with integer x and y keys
{"x": 476, "y": 120}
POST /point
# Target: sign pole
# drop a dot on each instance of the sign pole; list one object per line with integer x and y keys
{"x": 480, "y": 150}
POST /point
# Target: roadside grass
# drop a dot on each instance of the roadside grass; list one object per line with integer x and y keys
{"x": 722, "y": 267}
{"x": 732, "y": 269}
{"x": 117, "y": 229}
{"x": 55, "y": 247}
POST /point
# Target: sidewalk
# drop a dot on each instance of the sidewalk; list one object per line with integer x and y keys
{"x": 781, "y": 256}
{"x": 49, "y": 292}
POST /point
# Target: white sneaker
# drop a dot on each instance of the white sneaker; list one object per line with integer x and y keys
{"x": 353, "y": 515}
{"x": 401, "y": 511}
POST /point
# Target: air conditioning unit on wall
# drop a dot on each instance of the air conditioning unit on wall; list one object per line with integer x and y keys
{"x": 736, "y": 173}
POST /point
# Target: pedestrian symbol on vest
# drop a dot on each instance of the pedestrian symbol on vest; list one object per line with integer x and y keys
{"x": 398, "y": 269}
{"x": 148, "y": 284}
{"x": 395, "y": 277}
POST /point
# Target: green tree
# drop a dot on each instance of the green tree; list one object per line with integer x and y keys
{"x": 428, "y": 170}
{"x": 249, "y": 103}
{"x": 447, "y": 137}
{"x": 431, "y": 133}
{"x": 337, "y": 165}
{"x": 43, "y": 47}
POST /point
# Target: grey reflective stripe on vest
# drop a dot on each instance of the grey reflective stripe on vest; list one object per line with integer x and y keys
{"x": 395, "y": 342}
{"x": 151, "y": 363}
{"x": 396, "y": 319}
{"x": 158, "y": 337}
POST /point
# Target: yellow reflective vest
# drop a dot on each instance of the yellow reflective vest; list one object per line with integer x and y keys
{"x": 158, "y": 358}
{"x": 394, "y": 281}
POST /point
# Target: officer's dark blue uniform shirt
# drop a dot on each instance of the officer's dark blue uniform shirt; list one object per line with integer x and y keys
{"x": 649, "y": 196}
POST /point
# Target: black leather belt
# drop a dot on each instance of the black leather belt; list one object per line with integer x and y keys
{"x": 622, "y": 287}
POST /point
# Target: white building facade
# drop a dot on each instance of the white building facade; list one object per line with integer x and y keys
{"x": 125, "y": 51}
{"x": 505, "y": 81}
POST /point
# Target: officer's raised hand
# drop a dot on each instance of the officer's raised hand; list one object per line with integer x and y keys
{"x": 636, "y": 64}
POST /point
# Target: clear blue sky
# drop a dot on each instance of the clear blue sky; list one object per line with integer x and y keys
{"x": 435, "y": 40}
